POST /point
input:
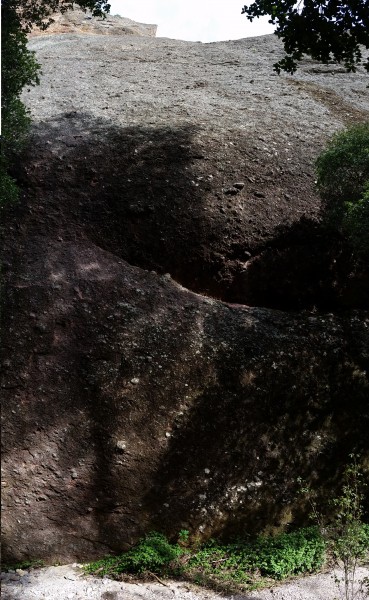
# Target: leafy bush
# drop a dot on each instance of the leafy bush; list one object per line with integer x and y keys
{"x": 343, "y": 168}
{"x": 276, "y": 557}
{"x": 152, "y": 554}
{"x": 20, "y": 69}
{"x": 346, "y": 535}
{"x": 291, "y": 553}
{"x": 36, "y": 563}
{"x": 343, "y": 181}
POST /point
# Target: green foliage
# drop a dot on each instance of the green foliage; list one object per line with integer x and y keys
{"x": 343, "y": 168}
{"x": 291, "y": 553}
{"x": 152, "y": 554}
{"x": 343, "y": 182}
{"x": 347, "y": 538}
{"x": 8, "y": 188}
{"x": 25, "y": 564}
{"x": 39, "y": 14}
{"x": 323, "y": 30}
{"x": 183, "y": 537}
{"x": 276, "y": 557}
{"x": 15, "y": 128}
{"x": 19, "y": 68}
{"x": 356, "y": 223}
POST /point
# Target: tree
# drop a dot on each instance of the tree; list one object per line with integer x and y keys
{"x": 20, "y": 69}
{"x": 322, "y": 29}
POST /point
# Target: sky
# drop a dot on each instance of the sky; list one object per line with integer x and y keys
{"x": 193, "y": 20}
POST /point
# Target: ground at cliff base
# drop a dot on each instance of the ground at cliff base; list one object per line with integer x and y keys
{"x": 69, "y": 583}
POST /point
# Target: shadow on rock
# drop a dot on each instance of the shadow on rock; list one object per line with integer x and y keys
{"x": 151, "y": 196}
{"x": 232, "y": 463}
{"x": 305, "y": 266}
{"x": 132, "y": 402}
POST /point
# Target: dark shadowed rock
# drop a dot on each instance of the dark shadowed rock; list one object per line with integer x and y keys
{"x": 251, "y": 398}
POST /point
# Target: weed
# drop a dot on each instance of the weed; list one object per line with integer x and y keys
{"x": 183, "y": 537}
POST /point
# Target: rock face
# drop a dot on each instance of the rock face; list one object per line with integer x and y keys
{"x": 77, "y": 21}
{"x": 168, "y": 187}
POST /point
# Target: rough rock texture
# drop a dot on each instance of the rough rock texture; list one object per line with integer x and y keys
{"x": 132, "y": 402}
{"x": 78, "y": 21}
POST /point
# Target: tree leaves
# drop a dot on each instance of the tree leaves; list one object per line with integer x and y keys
{"x": 326, "y": 30}
{"x": 38, "y": 14}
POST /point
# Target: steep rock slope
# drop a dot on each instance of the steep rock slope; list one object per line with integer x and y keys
{"x": 78, "y": 21}
{"x": 134, "y": 402}
{"x": 154, "y": 133}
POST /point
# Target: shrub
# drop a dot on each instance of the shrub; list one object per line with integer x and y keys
{"x": 343, "y": 169}
{"x": 275, "y": 557}
{"x": 152, "y": 554}
{"x": 20, "y": 69}
{"x": 343, "y": 182}
{"x": 291, "y": 553}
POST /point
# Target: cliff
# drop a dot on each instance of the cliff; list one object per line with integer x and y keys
{"x": 180, "y": 339}
{"x": 78, "y": 21}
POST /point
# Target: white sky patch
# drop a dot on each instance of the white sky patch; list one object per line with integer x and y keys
{"x": 193, "y": 20}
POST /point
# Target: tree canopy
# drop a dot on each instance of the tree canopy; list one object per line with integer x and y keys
{"x": 326, "y": 30}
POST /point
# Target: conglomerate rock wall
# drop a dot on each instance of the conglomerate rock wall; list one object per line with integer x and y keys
{"x": 78, "y": 21}
{"x": 180, "y": 342}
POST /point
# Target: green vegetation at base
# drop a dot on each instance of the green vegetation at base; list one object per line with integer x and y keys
{"x": 9, "y": 191}
{"x": 154, "y": 553}
{"x": 24, "y": 565}
{"x": 243, "y": 563}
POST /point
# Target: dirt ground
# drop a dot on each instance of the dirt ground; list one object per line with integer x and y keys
{"x": 68, "y": 583}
